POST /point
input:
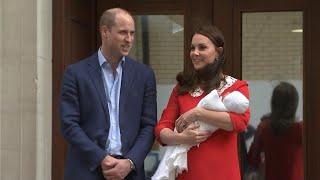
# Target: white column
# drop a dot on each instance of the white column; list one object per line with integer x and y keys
{"x": 44, "y": 88}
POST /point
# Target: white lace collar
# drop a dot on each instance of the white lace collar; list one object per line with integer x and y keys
{"x": 226, "y": 84}
{"x": 229, "y": 81}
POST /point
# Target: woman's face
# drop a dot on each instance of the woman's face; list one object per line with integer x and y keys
{"x": 203, "y": 51}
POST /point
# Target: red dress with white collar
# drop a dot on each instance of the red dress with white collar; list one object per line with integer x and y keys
{"x": 217, "y": 157}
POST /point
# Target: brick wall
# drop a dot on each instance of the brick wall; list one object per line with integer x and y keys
{"x": 166, "y": 45}
{"x": 269, "y": 49}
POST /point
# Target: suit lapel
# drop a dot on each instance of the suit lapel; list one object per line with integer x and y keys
{"x": 96, "y": 77}
{"x": 128, "y": 75}
{"x": 126, "y": 82}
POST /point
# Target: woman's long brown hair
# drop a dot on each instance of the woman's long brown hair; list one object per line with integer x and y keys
{"x": 284, "y": 103}
{"x": 209, "y": 77}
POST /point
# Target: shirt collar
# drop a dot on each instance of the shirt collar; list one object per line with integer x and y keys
{"x": 103, "y": 60}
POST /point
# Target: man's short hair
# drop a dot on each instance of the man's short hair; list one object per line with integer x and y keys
{"x": 108, "y": 17}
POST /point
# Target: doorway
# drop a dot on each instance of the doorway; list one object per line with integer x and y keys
{"x": 76, "y": 36}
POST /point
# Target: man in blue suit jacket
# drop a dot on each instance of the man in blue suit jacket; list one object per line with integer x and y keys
{"x": 108, "y": 107}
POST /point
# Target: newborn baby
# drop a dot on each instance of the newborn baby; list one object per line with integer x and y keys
{"x": 174, "y": 160}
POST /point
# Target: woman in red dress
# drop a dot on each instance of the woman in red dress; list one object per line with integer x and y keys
{"x": 217, "y": 155}
{"x": 277, "y": 145}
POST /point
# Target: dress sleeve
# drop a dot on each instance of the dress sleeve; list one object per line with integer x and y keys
{"x": 240, "y": 121}
{"x": 254, "y": 155}
{"x": 299, "y": 133}
{"x": 169, "y": 114}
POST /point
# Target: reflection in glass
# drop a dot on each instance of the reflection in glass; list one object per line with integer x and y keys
{"x": 159, "y": 43}
{"x": 271, "y": 52}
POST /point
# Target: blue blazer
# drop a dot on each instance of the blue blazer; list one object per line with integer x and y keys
{"x": 85, "y": 117}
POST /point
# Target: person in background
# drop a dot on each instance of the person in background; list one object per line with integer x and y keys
{"x": 277, "y": 144}
{"x": 108, "y": 107}
{"x": 217, "y": 155}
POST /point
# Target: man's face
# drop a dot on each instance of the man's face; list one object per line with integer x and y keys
{"x": 120, "y": 37}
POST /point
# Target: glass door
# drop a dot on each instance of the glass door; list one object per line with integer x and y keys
{"x": 272, "y": 52}
{"x": 159, "y": 43}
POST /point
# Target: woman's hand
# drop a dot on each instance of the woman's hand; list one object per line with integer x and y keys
{"x": 186, "y": 119}
{"x": 192, "y": 136}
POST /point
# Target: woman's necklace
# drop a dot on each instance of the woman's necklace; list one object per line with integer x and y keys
{"x": 196, "y": 92}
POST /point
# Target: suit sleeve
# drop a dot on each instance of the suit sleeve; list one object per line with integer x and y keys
{"x": 70, "y": 122}
{"x": 169, "y": 115}
{"x": 145, "y": 137}
{"x": 241, "y": 121}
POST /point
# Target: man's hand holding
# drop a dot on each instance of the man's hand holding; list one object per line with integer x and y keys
{"x": 108, "y": 162}
{"x": 121, "y": 169}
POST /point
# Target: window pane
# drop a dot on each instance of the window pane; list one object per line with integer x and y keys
{"x": 159, "y": 43}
